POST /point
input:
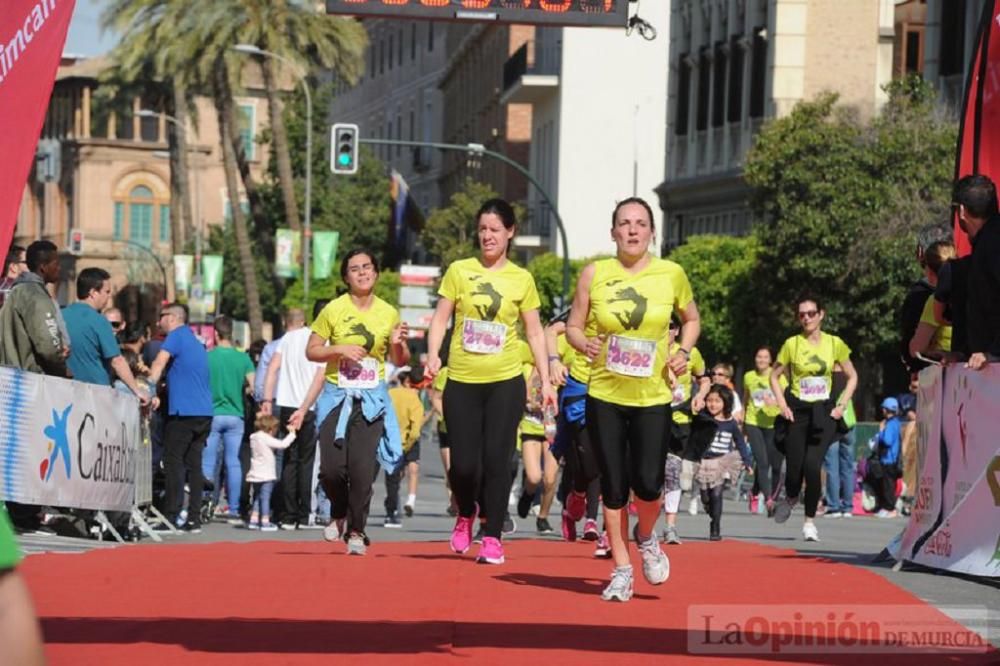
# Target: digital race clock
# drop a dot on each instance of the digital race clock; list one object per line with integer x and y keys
{"x": 559, "y": 12}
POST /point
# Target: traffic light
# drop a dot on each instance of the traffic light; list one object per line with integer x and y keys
{"x": 76, "y": 241}
{"x": 344, "y": 148}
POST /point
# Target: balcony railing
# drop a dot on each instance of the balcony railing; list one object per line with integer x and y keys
{"x": 543, "y": 58}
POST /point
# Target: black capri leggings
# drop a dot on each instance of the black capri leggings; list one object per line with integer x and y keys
{"x": 631, "y": 449}
{"x": 768, "y": 459}
{"x": 482, "y": 428}
{"x": 806, "y": 441}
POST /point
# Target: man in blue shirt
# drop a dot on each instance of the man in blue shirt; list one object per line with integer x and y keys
{"x": 189, "y": 412}
{"x": 95, "y": 351}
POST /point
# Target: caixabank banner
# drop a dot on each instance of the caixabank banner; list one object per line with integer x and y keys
{"x": 65, "y": 443}
{"x": 955, "y": 522}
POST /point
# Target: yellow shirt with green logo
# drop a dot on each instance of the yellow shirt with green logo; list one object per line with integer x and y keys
{"x": 342, "y": 323}
{"x": 531, "y": 423}
{"x": 762, "y": 407}
{"x": 493, "y": 296}
{"x": 942, "y": 334}
{"x": 440, "y": 381}
{"x": 682, "y": 391}
{"x": 806, "y": 360}
{"x": 636, "y": 306}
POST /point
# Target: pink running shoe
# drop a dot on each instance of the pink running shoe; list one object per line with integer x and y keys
{"x": 461, "y": 536}
{"x": 590, "y": 532}
{"x": 568, "y": 526}
{"x": 490, "y": 552}
{"x": 754, "y": 503}
{"x": 576, "y": 505}
{"x": 602, "y": 549}
{"x": 633, "y": 510}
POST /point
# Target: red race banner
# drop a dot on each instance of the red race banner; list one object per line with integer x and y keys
{"x": 979, "y": 136}
{"x": 32, "y": 34}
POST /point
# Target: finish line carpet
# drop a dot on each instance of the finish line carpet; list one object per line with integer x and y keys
{"x": 278, "y": 602}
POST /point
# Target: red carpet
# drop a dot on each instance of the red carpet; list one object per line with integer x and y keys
{"x": 278, "y": 602}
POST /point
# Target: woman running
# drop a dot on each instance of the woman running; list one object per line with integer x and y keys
{"x": 571, "y": 371}
{"x": 809, "y": 407}
{"x": 761, "y": 410}
{"x": 540, "y": 464}
{"x": 357, "y": 424}
{"x": 620, "y": 319}
{"x": 484, "y": 397}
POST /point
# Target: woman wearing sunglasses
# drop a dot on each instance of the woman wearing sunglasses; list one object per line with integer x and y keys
{"x": 809, "y": 407}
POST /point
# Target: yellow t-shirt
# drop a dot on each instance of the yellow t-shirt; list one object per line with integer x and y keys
{"x": 633, "y": 311}
{"x": 488, "y": 305}
{"x": 812, "y": 365}
{"x": 567, "y": 355}
{"x": 942, "y": 334}
{"x": 762, "y": 408}
{"x": 581, "y": 366}
{"x": 409, "y": 413}
{"x": 531, "y": 423}
{"x": 440, "y": 381}
{"x": 685, "y": 383}
{"x": 342, "y": 323}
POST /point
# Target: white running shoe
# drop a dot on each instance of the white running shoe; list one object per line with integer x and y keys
{"x": 693, "y": 506}
{"x": 655, "y": 564}
{"x": 334, "y": 530}
{"x": 809, "y": 532}
{"x": 620, "y": 587}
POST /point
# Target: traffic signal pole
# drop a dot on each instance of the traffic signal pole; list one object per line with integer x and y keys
{"x": 479, "y": 149}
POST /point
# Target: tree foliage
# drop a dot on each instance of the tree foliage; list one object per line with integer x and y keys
{"x": 838, "y": 203}
{"x": 547, "y": 269}
{"x": 719, "y": 269}
{"x": 450, "y": 232}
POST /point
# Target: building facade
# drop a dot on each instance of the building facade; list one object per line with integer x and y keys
{"x": 950, "y": 37}
{"x": 398, "y": 98}
{"x": 734, "y": 64}
{"x": 113, "y": 183}
{"x": 597, "y": 98}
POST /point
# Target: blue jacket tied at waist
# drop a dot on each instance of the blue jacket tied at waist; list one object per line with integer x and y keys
{"x": 375, "y": 403}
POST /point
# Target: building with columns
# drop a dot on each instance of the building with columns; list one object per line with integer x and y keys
{"x": 734, "y": 64}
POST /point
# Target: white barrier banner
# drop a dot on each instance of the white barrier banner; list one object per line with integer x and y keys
{"x": 65, "y": 443}
{"x": 955, "y": 523}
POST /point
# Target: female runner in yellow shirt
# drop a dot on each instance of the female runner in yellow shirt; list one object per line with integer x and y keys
{"x": 484, "y": 397}
{"x": 620, "y": 319}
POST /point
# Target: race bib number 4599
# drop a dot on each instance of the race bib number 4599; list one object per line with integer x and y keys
{"x": 631, "y": 357}
{"x": 483, "y": 337}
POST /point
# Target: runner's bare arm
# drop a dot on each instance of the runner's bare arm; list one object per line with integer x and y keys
{"x": 779, "y": 395}
{"x": 848, "y": 393}
{"x": 690, "y": 331}
{"x": 536, "y": 340}
{"x": 435, "y": 336}
{"x": 579, "y": 311}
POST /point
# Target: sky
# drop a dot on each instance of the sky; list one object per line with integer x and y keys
{"x": 85, "y": 34}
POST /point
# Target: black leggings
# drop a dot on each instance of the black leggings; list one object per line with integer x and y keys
{"x": 768, "y": 459}
{"x": 631, "y": 449}
{"x": 806, "y": 442}
{"x": 581, "y": 459}
{"x": 347, "y": 468}
{"x": 482, "y": 426}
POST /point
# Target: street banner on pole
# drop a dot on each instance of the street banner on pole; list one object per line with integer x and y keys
{"x": 211, "y": 272}
{"x": 287, "y": 253}
{"x": 955, "y": 522}
{"x": 32, "y": 35}
{"x": 324, "y": 253}
{"x": 979, "y": 133}
{"x": 183, "y": 272}
{"x": 66, "y": 443}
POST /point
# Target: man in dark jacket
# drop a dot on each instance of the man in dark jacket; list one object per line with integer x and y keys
{"x": 32, "y": 332}
{"x": 32, "y": 337}
{"x": 975, "y": 197}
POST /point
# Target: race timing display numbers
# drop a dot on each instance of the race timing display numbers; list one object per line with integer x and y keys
{"x": 557, "y": 12}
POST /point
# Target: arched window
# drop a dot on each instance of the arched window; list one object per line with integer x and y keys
{"x": 137, "y": 213}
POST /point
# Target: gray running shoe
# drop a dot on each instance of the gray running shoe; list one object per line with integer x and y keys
{"x": 356, "y": 545}
{"x": 620, "y": 587}
{"x": 334, "y": 530}
{"x": 783, "y": 510}
{"x": 670, "y": 536}
{"x": 655, "y": 565}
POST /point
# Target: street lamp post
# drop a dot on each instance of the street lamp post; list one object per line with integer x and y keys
{"x": 250, "y": 49}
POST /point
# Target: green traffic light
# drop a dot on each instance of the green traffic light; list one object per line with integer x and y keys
{"x": 344, "y": 159}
